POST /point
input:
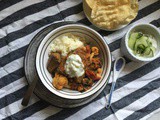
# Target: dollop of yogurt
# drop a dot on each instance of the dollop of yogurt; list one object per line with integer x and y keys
{"x": 74, "y": 66}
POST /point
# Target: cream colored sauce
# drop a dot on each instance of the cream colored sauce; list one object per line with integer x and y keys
{"x": 74, "y": 66}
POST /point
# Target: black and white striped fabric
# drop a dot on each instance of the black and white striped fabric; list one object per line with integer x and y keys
{"x": 137, "y": 93}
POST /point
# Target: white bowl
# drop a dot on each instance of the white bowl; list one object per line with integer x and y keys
{"x": 148, "y": 29}
{"x": 94, "y": 38}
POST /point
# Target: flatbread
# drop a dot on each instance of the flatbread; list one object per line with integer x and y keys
{"x": 110, "y": 14}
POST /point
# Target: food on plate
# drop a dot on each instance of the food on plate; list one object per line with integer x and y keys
{"x": 53, "y": 61}
{"x": 110, "y": 14}
{"x": 74, "y": 64}
{"x": 143, "y": 45}
{"x": 60, "y": 81}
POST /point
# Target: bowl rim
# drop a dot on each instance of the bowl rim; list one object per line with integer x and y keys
{"x": 108, "y": 58}
{"x": 128, "y": 49}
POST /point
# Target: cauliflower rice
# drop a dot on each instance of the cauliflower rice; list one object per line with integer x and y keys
{"x": 66, "y": 43}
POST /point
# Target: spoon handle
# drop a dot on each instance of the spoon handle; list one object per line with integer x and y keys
{"x": 118, "y": 67}
{"x": 110, "y": 95}
{"x": 29, "y": 92}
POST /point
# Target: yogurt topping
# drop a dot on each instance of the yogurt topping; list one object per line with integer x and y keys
{"x": 74, "y": 66}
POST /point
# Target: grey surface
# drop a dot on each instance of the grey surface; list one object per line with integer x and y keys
{"x": 155, "y": 116}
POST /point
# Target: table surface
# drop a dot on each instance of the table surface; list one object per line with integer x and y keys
{"x": 137, "y": 92}
{"x": 155, "y": 116}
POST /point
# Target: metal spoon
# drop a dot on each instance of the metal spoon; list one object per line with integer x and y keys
{"x": 29, "y": 92}
{"x": 118, "y": 67}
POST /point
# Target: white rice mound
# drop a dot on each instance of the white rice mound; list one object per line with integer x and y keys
{"x": 66, "y": 43}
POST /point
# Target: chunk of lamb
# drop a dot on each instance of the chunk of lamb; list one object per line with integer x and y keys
{"x": 53, "y": 62}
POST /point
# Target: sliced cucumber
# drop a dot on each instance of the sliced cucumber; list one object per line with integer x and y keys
{"x": 131, "y": 43}
{"x": 139, "y": 35}
{"x": 133, "y": 37}
{"x": 136, "y": 35}
{"x": 141, "y": 44}
{"x": 151, "y": 54}
{"x": 147, "y": 51}
{"x": 149, "y": 42}
{"x": 153, "y": 49}
{"x": 140, "y": 49}
{"x": 142, "y": 40}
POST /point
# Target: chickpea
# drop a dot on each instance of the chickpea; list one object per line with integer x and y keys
{"x": 91, "y": 56}
{"x": 98, "y": 76}
{"x": 87, "y": 81}
{"x": 87, "y": 88}
{"x": 95, "y": 50}
{"x": 80, "y": 88}
{"x": 73, "y": 86}
{"x": 84, "y": 49}
{"x": 59, "y": 87}
{"x": 99, "y": 70}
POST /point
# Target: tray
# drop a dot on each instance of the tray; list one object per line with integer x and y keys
{"x": 40, "y": 90}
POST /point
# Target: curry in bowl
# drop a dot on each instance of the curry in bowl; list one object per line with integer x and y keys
{"x": 73, "y": 63}
{"x": 71, "y": 43}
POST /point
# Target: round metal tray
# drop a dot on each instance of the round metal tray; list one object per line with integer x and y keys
{"x": 40, "y": 90}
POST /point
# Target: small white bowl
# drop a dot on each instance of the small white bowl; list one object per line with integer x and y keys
{"x": 91, "y": 36}
{"x": 148, "y": 29}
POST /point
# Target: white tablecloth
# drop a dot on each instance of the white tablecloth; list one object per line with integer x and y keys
{"x": 137, "y": 93}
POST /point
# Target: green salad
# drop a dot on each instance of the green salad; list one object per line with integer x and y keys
{"x": 143, "y": 45}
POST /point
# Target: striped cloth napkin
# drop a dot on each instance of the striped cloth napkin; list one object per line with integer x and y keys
{"x": 137, "y": 93}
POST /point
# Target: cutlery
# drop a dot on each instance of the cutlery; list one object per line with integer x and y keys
{"x": 118, "y": 67}
{"x": 29, "y": 92}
